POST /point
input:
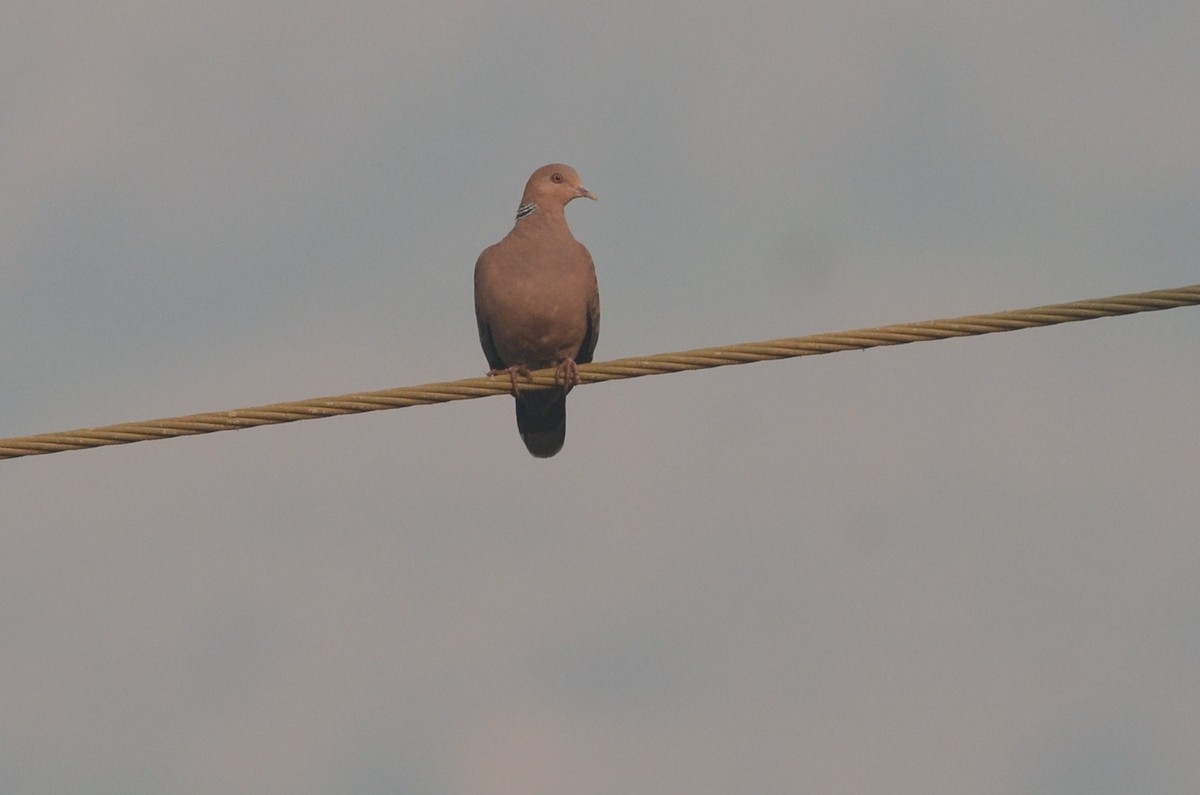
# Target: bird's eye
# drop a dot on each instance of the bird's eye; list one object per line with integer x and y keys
{"x": 556, "y": 176}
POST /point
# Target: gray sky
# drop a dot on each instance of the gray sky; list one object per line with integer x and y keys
{"x": 968, "y": 566}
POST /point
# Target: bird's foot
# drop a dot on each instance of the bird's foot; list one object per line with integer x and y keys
{"x": 567, "y": 373}
{"x": 512, "y": 372}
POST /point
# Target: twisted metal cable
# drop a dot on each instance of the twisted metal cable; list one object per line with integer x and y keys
{"x": 701, "y": 358}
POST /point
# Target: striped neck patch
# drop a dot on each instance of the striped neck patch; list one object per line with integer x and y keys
{"x": 525, "y": 210}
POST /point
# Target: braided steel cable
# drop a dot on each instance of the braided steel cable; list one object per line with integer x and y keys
{"x": 699, "y": 359}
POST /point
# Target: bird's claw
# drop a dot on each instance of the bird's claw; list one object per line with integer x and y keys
{"x": 512, "y": 372}
{"x": 567, "y": 373}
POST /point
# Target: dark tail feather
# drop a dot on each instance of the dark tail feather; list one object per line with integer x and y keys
{"x": 542, "y": 421}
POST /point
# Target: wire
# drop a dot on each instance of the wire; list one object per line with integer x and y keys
{"x": 701, "y": 358}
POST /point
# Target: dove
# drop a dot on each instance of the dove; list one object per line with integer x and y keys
{"x": 537, "y": 304}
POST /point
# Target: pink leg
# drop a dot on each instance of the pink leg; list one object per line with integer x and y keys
{"x": 567, "y": 372}
{"x": 513, "y": 372}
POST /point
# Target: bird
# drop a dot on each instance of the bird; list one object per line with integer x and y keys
{"x": 537, "y": 304}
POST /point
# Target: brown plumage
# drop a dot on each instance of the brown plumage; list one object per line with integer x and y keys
{"x": 537, "y": 304}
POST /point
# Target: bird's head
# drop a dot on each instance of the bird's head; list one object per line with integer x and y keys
{"x": 555, "y": 185}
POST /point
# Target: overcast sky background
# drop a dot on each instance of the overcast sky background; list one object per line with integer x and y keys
{"x": 969, "y": 566}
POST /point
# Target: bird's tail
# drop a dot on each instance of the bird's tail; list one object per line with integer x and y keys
{"x": 542, "y": 421}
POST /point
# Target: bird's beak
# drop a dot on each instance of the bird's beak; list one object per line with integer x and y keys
{"x": 584, "y": 192}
